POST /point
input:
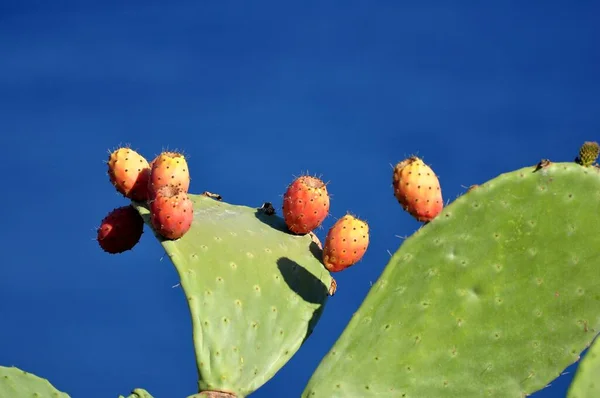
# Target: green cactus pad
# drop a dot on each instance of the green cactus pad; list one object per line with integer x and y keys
{"x": 138, "y": 393}
{"x": 586, "y": 383}
{"x": 493, "y": 298}
{"x": 16, "y": 383}
{"x": 255, "y": 292}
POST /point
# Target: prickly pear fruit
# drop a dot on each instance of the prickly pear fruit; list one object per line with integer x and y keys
{"x": 305, "y": 204}
{"x": 129, "y": 172}
{"x": 120, "y": 230}
{"x": 588, "y": 153}
{"x": 169, "y": 168}
{"x": 417, "y": 189}
{"x": 171, "y": 212}
{"x": 346, "y": 243}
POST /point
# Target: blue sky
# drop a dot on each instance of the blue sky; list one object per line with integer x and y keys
{"x": 252, "y": 93}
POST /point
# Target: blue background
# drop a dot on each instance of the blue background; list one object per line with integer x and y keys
{"x": 254, "y": 94}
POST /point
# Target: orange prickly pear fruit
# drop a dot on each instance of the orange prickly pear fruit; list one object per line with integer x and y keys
{"x": 169, "y": 168}
{"x": 417, "y": 189}
{"x": 129, "y": 172}
{"x": 346, "y": 243}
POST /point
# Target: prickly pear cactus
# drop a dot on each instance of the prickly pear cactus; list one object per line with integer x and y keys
{"x": 255, "y": 292}
{"x": 586, "y": 383}
{"x": 493, "y": 298}
{"x": 16, "y": 383}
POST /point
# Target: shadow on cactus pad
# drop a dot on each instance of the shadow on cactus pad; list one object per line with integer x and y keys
{"x": 255, "y": 292}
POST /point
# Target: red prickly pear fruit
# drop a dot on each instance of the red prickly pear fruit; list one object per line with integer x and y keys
{"x": 129, "y": 172}
{"x": 169, "y": 168}
{"x": 305, "y": 204}
{"x": 346, "y": 243}
{"x": 417, "y": 189}
{"x": 171, "y": 212}
{"x": 120, "y": 230}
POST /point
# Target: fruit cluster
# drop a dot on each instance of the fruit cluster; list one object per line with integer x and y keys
{"x": 162, "y": 183}
{"x": 305, "y": 207}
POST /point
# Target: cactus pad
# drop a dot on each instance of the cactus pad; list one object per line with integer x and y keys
{"x": 138, "y": 393}
{"x": 16, "y": 383}
{"x": 254, "y": 290}
{"x": 493, "y": 298}
{"x": 586, "y": 383}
